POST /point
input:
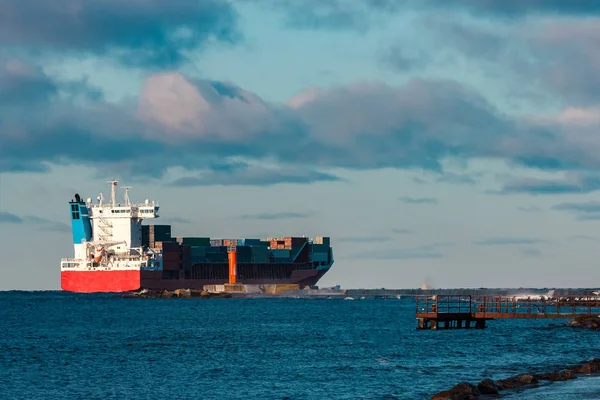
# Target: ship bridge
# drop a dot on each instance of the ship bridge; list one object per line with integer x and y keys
{"x": 119, "y": 225}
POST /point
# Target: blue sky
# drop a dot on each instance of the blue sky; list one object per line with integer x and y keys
{"x": 453, "y": 142}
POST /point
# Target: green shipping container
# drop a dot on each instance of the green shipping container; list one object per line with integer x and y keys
{"x": 320, "y": 248}
{"x": 216, "y": 257}
{"x": 196, "y": 241}
{"x": 250, "y": 242}
{"x": 281, "y": 253}
{"x": 198, "y": 250}
{"x": 198, "y": 259}
{"x": 260, "y": 254}
{"x": 244, "y": 254}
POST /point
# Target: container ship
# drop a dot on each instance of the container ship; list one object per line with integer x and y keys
{"x": 115, "y": 252}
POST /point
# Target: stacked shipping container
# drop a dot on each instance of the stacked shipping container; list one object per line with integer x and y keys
{"x": 171, "y": 255}
{"x": 288, "y": 242}
{"x": 322, "y": 240}
{"x": 260, "y": 254}
{"x": 293, "y": 242}
{"x": 186, "y": 257}
{"x": 194, "y": 241}
{"x": 249, "y": 242}
{"x": 155, "y": 233}
{"x": 216, "y": 254}
{"x": 189, "y": 253}
{"x": 198, "y": 254}
{"x": 244, "y": 254}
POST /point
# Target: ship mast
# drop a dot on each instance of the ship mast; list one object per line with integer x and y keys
{"x": 113, "y": 187}
{"x": 127, "y": 201}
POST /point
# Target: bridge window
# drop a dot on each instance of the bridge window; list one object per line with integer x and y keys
{"x": 75, "y": 215}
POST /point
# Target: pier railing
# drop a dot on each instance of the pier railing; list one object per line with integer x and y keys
{"x": 462, "y": 309}
{"x": 444, "y": 304}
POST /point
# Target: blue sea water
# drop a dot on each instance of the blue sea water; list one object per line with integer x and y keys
{"x": 56, "y": 345}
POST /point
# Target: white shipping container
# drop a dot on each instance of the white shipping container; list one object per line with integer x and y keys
{"x": 322, "y": 240}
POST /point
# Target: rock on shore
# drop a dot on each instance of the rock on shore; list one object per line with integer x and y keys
{"x": 488, "y": 387}
{"x": 461, "y": 391}
{"x": 179, "y": 293}
{"x": 586, "y": 322}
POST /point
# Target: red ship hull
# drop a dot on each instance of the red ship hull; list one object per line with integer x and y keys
{"x": 100, "y": 281}
{"x": 126, "y": 281}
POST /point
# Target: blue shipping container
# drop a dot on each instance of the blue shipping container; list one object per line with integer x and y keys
{"x": 281, "y": 253}
{"x": 216, "y": 249}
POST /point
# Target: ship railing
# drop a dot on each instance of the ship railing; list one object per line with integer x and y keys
{"x": 128, "y": 258}
{"x": 74, "y": 264}
{"x": 131, "y": 205}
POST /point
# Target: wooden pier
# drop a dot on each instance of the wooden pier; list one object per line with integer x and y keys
{"x": 464, "y": 312}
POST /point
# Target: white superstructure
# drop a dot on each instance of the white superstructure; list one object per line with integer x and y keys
{"x": 108, "y": 235}
{"x": 119, "y": 225}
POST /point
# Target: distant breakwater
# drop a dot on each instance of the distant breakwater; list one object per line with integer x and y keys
{"x": 552, "y": 292}
{"x": 399, "y": 293}
{"x": 178, "y": 293}
{"x": 488, "y": 387}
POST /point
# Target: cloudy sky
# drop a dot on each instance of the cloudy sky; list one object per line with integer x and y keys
{"x": 453, "y": 141}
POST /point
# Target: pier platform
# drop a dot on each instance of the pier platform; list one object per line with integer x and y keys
{"x": 464, "y": 312}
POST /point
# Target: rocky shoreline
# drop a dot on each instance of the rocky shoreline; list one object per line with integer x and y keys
{"x": 585, "y": 322}
{"x": 489, "y": 388}
{"x": 178, "y": 293}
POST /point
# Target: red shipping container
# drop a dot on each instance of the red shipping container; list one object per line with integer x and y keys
{"x": 170, "y": 265}
{"x": 298, "y": 241}
{"x": 174, "y": 257}
{"x": 167, "y": 245}
{"x": 171, "y": 250}
{"x": 170, "y": 246}
{"x": 186, "y": 257}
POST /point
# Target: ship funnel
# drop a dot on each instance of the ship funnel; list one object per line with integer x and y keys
{"x": 81, "y": 226}
{"x": 80, "y": 221}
